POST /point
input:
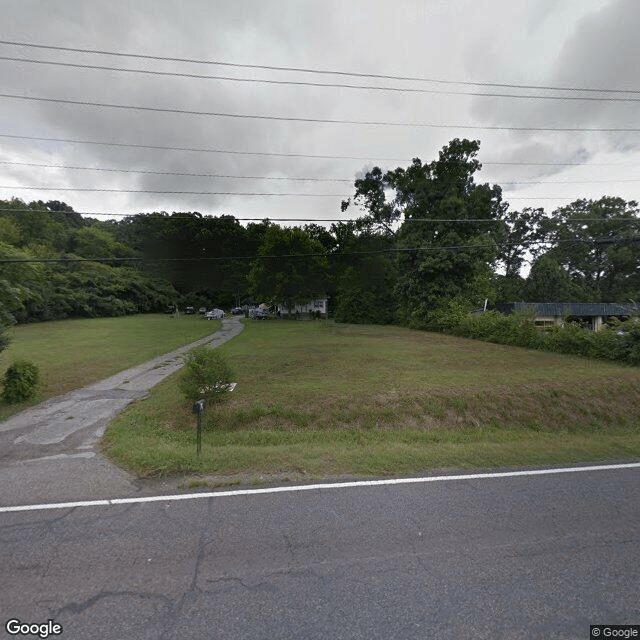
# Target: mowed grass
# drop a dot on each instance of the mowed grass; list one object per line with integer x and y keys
{"x": 319, "y": 398}
{"x": 74, "y": 353}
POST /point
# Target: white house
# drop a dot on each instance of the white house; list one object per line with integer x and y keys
{"x": 319, "y": 305}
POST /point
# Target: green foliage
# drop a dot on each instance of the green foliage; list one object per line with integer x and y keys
{"x": 279, "y": 275}
{"x": 455, "y": 234}
{"x": 491, "y": 326}
{"x": 68, "y": 287}
{"x": 9, "y": 232}
{"x": 363, "y": 306}
{"x": 520, "y": 234}
{"x": 207, "y": 374}
{"x": 93, "y": 242}
{"x": 595, "y": 243}
{"x": 364, "y": 283}
{"x": 20, "y": 382}
{"x": 454, "y": 258}
{"x": 550, "y": 282}
{"x": 448, "y": 316}
{"x": 509, "y": 288}
{"x": 617, "y": 343}
{"x": 160, "y": 236}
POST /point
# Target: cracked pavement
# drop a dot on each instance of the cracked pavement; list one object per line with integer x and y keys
{"x": 49, "y": 453}
{"x": 520, "y": 557}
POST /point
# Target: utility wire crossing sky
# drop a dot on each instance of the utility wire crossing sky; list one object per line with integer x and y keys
{"x": 125, "y": 114}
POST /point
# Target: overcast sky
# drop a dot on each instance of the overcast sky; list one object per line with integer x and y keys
{"x": 589, "y": 44}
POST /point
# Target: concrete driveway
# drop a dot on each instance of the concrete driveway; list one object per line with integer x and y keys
{"x": 49, "y": 453}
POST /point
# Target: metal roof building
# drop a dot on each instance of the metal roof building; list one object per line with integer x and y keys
{"x": 593, "y": 314}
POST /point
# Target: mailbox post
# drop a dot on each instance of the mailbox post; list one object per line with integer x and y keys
{"x": 198, "y": 408}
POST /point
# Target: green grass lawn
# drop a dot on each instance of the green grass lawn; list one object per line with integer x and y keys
{"x": 75, "y": 353}
{"x": 321, "y": 398}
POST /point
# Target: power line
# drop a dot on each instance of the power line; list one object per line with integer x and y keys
{"x": 287, "y": 155}
{"x": 325, "y": 254}
{"x": 171, "y": 173}
{"x": 194, "y": 76}
{"x": 244, "y": 116}
{"x": 197, "y": 149}
{"x": 315, "y": 71}
{"x": 292, "y": 178}
{"x": 162, "y": 191}
{"x": 230, "y": 193}
{"x": 165, "y": 216}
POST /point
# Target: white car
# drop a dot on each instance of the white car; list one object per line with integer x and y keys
{"x": 214, "y": 314}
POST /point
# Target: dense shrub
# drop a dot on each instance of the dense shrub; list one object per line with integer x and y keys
{"x": 570, "y": 339}
{"x": 206, "y": 374}
{"x": 618, "y": 343}
{"x": 447, "y": 317}
{"x": 493, "y": 326}
{"x": 20, "y": 382}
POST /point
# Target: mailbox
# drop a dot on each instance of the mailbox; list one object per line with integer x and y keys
{"x": 199, "y": 406}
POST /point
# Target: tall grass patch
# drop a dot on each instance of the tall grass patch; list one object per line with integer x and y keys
{"x": 74, "y": 353}
{"x": 331, "y": 398}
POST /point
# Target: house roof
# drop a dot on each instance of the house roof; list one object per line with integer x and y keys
{"x": 573, "y": 308}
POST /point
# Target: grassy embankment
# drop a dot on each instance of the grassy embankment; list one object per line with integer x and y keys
{"x": 74, "y": 353}
{"x": 320, "y": 398}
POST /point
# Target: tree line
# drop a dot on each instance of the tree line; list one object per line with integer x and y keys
{"x": 426, "y": 236}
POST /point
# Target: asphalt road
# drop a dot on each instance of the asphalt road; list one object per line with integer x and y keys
{"x": 512, "y": 557}
{"x": 49, "y": 453}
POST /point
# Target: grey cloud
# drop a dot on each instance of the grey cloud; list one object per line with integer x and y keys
{"x": 601, "y": 52}
{"x": 420, "y": 39}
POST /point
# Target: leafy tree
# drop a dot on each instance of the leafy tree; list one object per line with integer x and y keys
{"x": 325, "y": 237}
{"x": 520, "y": 235}
{"x": 93, "y": 242}
{"x": 21, "y": 284}
{"x": 363, "y": 273}
{"x": 548, "y": 281}
{"x": 520, "y": 239}
{"x": 39, "y": 225}
{"x": 596, "y": 242}
{"x": 290, "y": 267}
{"x": 509, "y": 288}
{"x": 437, "y": 258}
{"x": 32, "y": 290}
{"x": 9, "y": 232}
{"x": 195, "y": 253}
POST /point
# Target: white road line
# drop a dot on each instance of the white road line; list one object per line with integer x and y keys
{"x": 315, "y": 487}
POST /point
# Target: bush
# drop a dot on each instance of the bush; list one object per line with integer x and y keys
{"x": 619, "y": 343}
{"x": 20, "y": 382}
{"x": 491, "y": 326}
{"x": 447, "y": 317}
{"x": 206, "y": 374}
